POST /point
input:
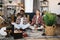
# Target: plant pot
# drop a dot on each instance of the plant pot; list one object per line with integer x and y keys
{"x": 50, "y": 30}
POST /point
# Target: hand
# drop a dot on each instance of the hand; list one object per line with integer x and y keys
{"x": 43, "y": 25}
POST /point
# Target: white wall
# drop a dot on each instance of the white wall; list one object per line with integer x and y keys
{"x": 54, "y": 7}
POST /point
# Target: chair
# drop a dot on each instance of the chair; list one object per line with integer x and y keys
{"x": 1, "y": 20}
{"x": 1, "y": 13}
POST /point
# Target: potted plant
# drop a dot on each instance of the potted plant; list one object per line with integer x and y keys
{"x": 49, "y": 20}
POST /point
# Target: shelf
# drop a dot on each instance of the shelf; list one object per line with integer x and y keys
{"x": 44, "y": 6}
{"x": 43, "y": 1}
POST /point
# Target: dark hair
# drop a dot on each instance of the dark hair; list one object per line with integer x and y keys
{"x": 38, "y": 10}
{"x": 18, "y": 14}
{"x": 22, "y": 10}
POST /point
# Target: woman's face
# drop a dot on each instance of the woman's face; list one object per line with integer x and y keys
{"x": 37, "y": 12}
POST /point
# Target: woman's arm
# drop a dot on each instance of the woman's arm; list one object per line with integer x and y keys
{"x": 33, "y": 20}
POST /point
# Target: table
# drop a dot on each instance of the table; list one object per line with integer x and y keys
{"x": 18, "y": 34}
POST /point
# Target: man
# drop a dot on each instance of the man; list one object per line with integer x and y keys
{"x": 21, "y": 22}
{"x": 17, "y": 24}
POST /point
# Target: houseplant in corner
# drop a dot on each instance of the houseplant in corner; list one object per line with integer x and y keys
{"x": 49, "y": 20}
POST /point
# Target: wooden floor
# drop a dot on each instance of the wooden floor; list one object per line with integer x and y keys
{"x": 58, "y": 29}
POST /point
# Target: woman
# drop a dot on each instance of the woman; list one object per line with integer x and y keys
{"x": 37, "y": 19}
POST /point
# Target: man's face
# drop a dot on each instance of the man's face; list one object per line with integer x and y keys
{"x": 18, "y": 21}
{"x": 21, "y": 12}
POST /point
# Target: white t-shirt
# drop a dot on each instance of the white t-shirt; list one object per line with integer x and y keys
{"x": 18, "y": 26}
{"x": 21, "y": 21}
{"x": 24, "y": 26}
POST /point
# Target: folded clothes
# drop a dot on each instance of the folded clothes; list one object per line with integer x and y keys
{"x": 2, "y": 31}
{"x": 23, "y": 26}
